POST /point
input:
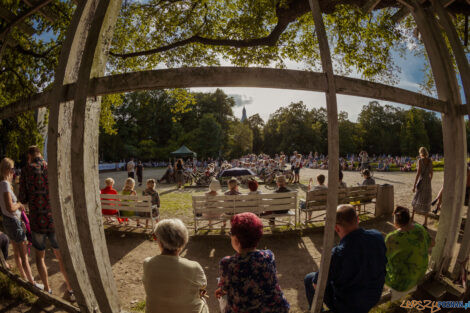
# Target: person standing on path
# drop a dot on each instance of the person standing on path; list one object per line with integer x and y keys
{"x": 179, "y": 173}
{"x": 139, "y": 171}
{"x": 11, "y": 215}
{"x": 34, "y": 190}
{"x": 422, "y": 187}
{"x": 130, "y": 168}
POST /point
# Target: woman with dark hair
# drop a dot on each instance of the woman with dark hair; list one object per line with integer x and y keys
{"x": 253, "y": 186}
{"x": 249, "y": 278}
{"x": 179, "y": 173}
{"x": 407, "y": 254}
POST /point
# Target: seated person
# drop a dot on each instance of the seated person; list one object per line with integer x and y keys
{"x": 253, "y": 186}
{"x": 233, "y": 187}
{"x": 281, "y": 187}
{"x": 109, "y": 190}
{"x": 214, "y": 187}
{"x": 387, "y": 166}
{"x": 151, "y": 191}
{"x": 257, "y": 290}
{"x": 368, "y": 180}
{"x": 407, "y": 254}
{"x": 357, "y": 269}
{"x": 168, "y": 176}
{"x": 380, "y": 166}
{"x": 321, "y": 183}
{"x": 321, "y": 186}
{"x": 407, "y": 167}
{"x": 172, "y": 283}
{"x": 128, "y": 190}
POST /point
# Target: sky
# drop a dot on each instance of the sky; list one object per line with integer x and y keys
{"x": 266, "y": 101}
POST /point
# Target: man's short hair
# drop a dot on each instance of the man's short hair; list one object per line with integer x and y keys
{"x": 346, "y": 215}
{"x": 321, "y": 179}
{"x": 33, "y": 150}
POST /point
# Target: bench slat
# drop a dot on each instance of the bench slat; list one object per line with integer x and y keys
{"x": 125, "y": 197}
{"x": 130, "y": 208}
{"x": 126, "y": 203}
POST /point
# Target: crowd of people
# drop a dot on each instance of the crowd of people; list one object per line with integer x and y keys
{"x": 361, "y": 264}
{"x": 263, "y": 162}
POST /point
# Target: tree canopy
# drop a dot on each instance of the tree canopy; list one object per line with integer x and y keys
{"x": 171, "y": 33}
{"x": 145, "y": 128}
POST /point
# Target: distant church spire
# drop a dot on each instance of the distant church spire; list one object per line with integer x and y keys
{"x": 244, "y": 115}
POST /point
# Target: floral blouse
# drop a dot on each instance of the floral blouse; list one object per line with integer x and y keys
{"x": 251, "y": 283}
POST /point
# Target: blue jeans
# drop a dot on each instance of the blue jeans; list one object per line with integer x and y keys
{"x": 328, "y": 298}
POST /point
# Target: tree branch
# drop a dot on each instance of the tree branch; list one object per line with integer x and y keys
{"x": 285, "y": 16}
{"x": 35, "y": 54}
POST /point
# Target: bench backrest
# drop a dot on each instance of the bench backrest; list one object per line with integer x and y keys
{"x": 135, "y": 203}
{"x": 256, "y": 203}
{"x": 316, "y": 199}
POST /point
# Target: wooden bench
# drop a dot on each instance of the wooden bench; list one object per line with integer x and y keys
{"x": 359, "y": 196}
{"x": 222, "y": 208}
{"x": 136, "y": 204}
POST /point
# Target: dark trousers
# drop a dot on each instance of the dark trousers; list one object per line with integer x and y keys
{"x": 4, "y": 242}
{"x": 130, "y": 174}
{"x": 311, "y": 279}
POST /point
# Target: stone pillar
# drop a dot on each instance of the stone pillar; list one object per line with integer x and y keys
{"x": 385, "y": 203}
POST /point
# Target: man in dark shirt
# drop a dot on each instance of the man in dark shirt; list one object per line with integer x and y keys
{"x": 357, "y": 270}
{"x": 34, "y": 190}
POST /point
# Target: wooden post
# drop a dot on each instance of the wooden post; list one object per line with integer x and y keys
{"x": 333, "y": 153}
{"x": 70, "y": 220}
{"x": 455, "y": 150}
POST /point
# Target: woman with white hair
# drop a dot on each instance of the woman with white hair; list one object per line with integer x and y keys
{"x": 172, "y": 283}
{"x": 214, "y": 186}
{"x": 422, "y": 187}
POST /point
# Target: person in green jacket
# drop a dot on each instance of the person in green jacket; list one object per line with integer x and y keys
{"x": 407, "y": 254}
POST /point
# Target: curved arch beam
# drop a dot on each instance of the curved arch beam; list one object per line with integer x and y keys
{"x": 453, "y": 128}
{"x": 231, "y": 77}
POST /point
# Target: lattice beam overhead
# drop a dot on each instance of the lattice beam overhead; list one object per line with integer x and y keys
{"x": 231, "y": 77}
{"x": 50, "y": 15}
{"x": 369, "y": 6}
{"x": 20, "y": 18}
{"x": 9, "y": 17}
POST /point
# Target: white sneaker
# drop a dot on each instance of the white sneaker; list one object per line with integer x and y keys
{"x": 39, "y": 286}
{"x": 71, "y": 296}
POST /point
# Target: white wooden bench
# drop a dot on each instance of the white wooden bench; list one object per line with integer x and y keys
{"x": 136, "y": 204}
{"x": 222, "y": 208}
{"x": 359, "y": 196}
